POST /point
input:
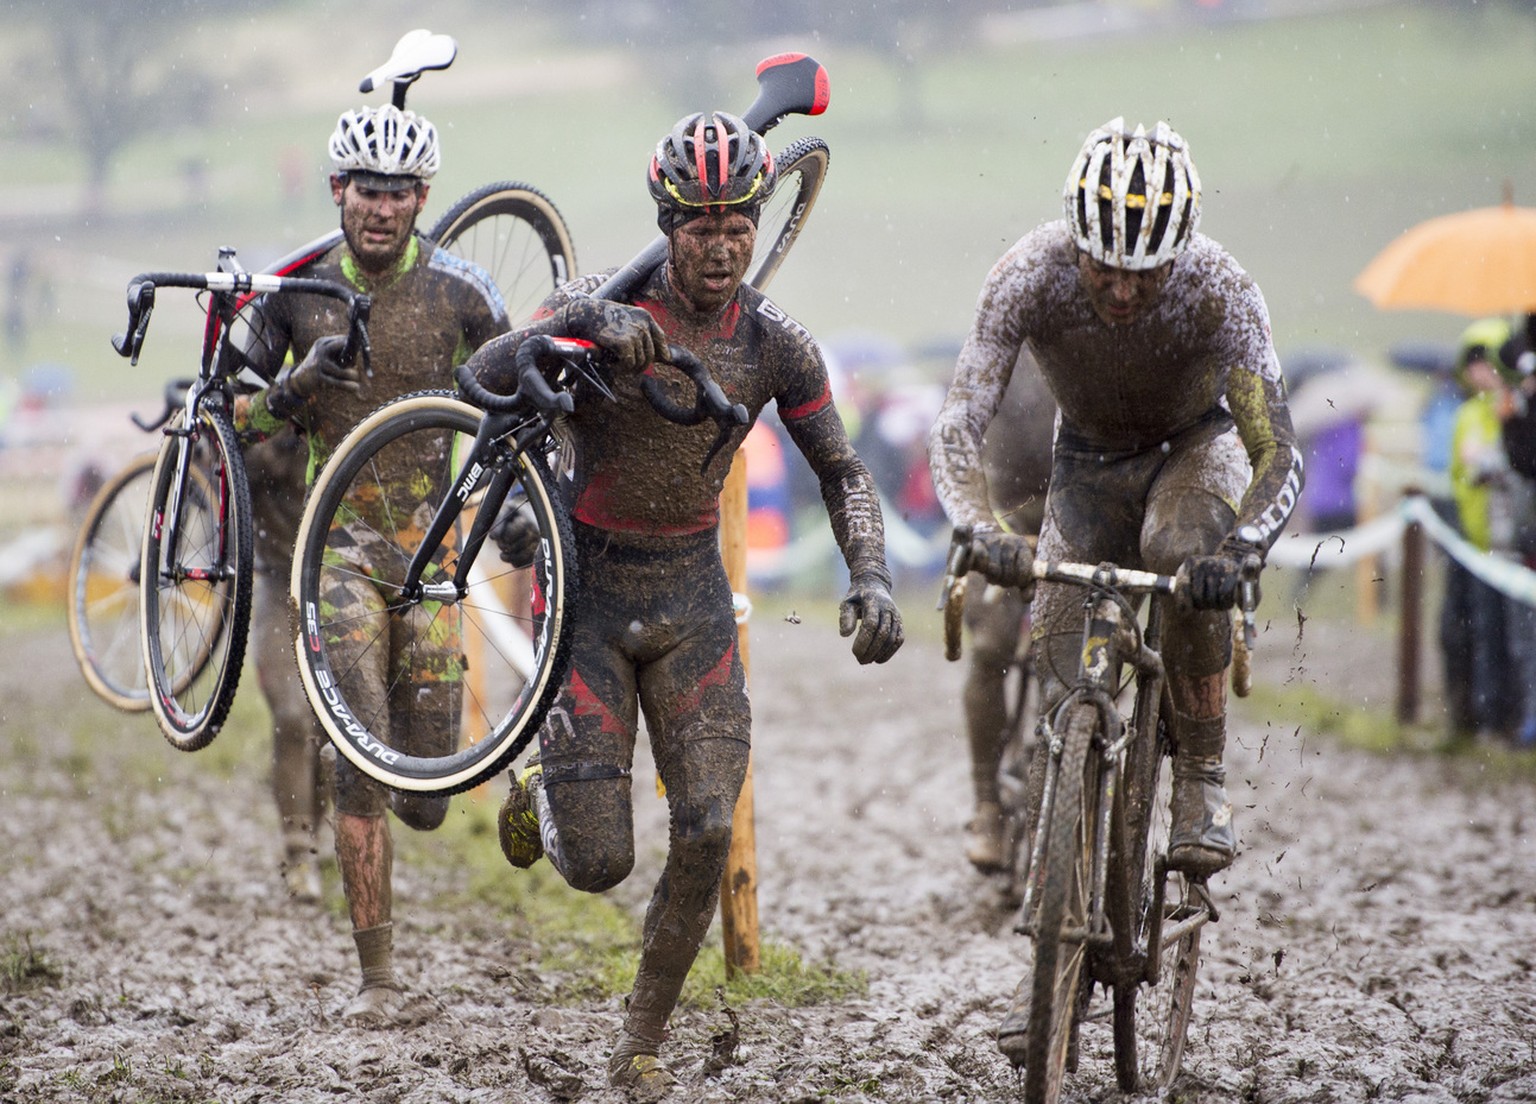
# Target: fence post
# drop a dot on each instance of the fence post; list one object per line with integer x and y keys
{"x": 738, "y": 888}
{"x": 1410, "y": 627}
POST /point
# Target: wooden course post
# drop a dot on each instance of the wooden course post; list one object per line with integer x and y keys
{"x": 738, "y": 889}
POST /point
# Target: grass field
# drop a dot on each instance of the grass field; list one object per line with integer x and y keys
{"x": 1319, "y": 139}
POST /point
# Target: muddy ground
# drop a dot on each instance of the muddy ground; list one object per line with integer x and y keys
{"x": 1376, "y": 943}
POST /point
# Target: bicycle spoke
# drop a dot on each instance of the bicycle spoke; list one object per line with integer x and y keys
{"x": 447, "y": 669}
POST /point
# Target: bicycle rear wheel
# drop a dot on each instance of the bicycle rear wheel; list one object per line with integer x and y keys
{"x": 440, "y": 692}
{"x": 1145, "y": 903}
{"x": 104, "y": 589}
{"x": 1059, "y": 986}
{"x": 802, "y": 169}
{"x": 195, "y": 597}
{"x": 515, "y": 233}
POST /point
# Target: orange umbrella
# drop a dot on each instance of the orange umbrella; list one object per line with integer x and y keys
{"x": 1476, "y": 263}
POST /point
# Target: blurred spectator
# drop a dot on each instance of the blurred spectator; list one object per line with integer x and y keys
{"x": 1437, "y": 419}
{"x": 1519, "y": 353}
{"x": 768, "y": 504}
{"x": 1475, "y": 621}
{"x": 1333, "y": 396}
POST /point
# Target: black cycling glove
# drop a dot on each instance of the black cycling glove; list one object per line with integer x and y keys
{"x": 870, "y": 608}
{"x": 1215, "y": 582}
{"x": 628, "y": 334}
{"x": 1006, "y": 559}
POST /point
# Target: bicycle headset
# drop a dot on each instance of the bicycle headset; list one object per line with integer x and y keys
{"x": 384, "y": 147}
{"x": 710, "y": 164}
{"x": 1133, "y": 200}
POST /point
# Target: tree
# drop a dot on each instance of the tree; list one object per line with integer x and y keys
{"x": 117, "y": 71}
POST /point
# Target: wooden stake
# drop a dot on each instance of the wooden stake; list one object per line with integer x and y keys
{"x": 738, "y": 889}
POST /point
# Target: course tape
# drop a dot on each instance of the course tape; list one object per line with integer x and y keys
{"x": 1349, "y": 546}
{"x": 907, "y": 547}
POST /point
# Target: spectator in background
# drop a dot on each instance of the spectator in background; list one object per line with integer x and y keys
{"x": 17, "y": 315}
{"x": 1485, "y": 492}
{"x": 1519, "y": 353}
{"x": 1333, "y": 396}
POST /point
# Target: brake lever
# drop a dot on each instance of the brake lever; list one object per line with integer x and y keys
{"x": 1248, "y": 597}
{"x": 957, "y": 564}
{"x": 141, "y": 303}
{"x": 358, "y": 344}
{"x": 175, "y": 394}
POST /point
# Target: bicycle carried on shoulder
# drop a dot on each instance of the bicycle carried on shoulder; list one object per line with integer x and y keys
{"x": 416, "y": 487}
{"x": 509, "y": 229}
{"x": 1100, "y": 905}
{"x": 195, "y": 562}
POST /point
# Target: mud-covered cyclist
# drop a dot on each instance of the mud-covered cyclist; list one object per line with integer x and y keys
{"x": 654, "y": 625}
{"x": 430, "y": 310}
{"x": 1174, "y": 449}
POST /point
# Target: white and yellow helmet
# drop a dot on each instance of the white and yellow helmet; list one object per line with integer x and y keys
{"x": 1133, "y": 199}
{"x": 385, "y": 142}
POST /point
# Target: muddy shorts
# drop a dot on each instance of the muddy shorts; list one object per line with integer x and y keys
{"x": 1151, "y": 509}
{"x": 654, "y": 631}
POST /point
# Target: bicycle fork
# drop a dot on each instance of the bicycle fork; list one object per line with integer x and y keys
{"x": 1107, "y": 642}
{"x": 168, "y": 523}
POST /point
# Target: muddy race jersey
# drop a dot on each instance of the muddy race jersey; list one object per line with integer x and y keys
{"x": 428, "y": 316}
{"x": 1202, "y": 353}
{"x": 636, "y": 473}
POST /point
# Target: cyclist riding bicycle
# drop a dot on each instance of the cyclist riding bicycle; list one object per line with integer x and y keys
{"x": 654, "y": 628}
{"x": 430, "y": 311}
{"x": 1174, "y": 449}
{"x": 1016, "y": 454}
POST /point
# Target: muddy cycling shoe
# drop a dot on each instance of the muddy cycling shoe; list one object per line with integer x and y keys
{"x": 641, "y": 1076}
{"x": 375, "y": 1006}
{"x": 1202, "y": 841}
{"x": 1013, "y": 1032}
{"x": 984, "y": 838}
{"x": 517, "y": 825}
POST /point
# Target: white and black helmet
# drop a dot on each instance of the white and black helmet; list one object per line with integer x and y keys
{"x": 385, "y": 142}
{"x": 1133, "y": 199}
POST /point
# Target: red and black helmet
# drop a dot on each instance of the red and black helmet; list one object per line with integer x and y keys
{"x": 710, "y": 163}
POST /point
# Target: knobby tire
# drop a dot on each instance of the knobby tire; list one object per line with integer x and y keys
{"x": 802, "y": 168}
{"x": 1059, "y": 979}
{"x": 195, "y": 608}
{"x": 500, "y": 651}
{"x": 516, "y": 234}
{"x": 104, "y": 588}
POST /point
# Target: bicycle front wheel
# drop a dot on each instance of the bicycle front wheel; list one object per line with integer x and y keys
{"x": 195, "y": 593}
{"x": 1148, "y": 905}
{"x": 437, "y": 691}
{"x": 802, "y": 169}
{"x": 515, "y": 233}
{"x": 1059, "y": 986}
{"x": 104, "y": 589}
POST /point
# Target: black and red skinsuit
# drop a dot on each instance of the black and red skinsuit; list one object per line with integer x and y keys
{"x": 655, "y": 630}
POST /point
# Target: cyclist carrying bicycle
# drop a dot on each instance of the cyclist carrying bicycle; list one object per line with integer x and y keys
{"x": 430, "y": 311}
{"x": 654, "y": 629}
{"x": 1174, "y": 449}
